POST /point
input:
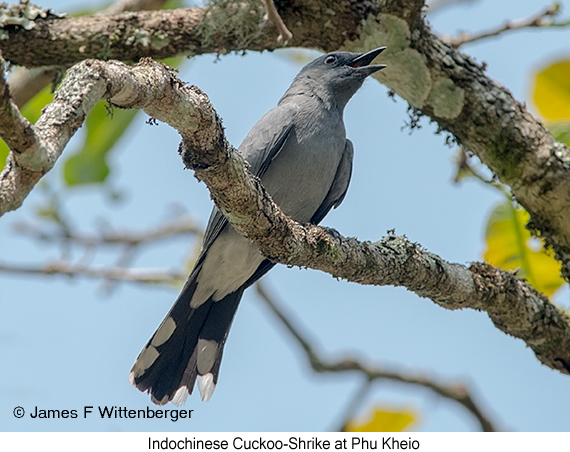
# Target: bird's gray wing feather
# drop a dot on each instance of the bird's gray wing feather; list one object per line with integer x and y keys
{"x": 339, "y": 186}
{"x": 262, "y": 144}
{"x": 266, "y": 139}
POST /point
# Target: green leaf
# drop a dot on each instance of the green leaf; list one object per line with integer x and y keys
{"x": 560, "y": 131}
{"x": 380, "y": 419}
{"x": 33, "y": 108}
{"x": 173, "y": 4}
{"x": 552, "y": 91}
{"x": 89, "y": 165}
{"x": 3, "y": 152}
{"x": 511, "y": 247}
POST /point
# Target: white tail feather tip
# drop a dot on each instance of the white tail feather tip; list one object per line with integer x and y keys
{"x": 206, "y": 386}
{"x": 180, "y": 396}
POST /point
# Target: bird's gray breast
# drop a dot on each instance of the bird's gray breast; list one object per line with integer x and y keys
{"x": 301, "y": 175}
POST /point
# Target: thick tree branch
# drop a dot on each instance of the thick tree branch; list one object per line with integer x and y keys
{"x": 457, "y": 392}
{"x": 434, "y": 78}
{"x": 34, "y": 157}
{"x": 437, "y": 80}
{"x": 450, "y": 88}
{"x": 26, "y": 83}
{"x": 221, "y": 26}
{"x": 88, "y": 83}
{"x": 125, "y": 36}
{"x": 513, "y": 306}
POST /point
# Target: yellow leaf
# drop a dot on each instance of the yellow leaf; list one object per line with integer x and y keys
{"x": 511, "y": 247}
{"x": 552, "y": 91}
{"x": 380, "y": 420}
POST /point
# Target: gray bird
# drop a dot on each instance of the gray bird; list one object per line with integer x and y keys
{"x": 300, "y": 152}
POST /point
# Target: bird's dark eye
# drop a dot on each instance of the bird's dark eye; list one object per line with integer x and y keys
{"x": 330, "y": 59}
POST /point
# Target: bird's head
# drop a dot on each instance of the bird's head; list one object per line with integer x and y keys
{"x": 341, "y": 73}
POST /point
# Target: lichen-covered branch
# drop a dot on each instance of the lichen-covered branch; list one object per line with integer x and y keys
{"x": 437, "y": 80}
{"x": 219, "y": 27}
{"x": 514, "y": 306}
{"x": 26, "y": 83}
{"x": 34, "y": 157}
{"x": 125, "y": 36}
{"x": 453, "y": 90}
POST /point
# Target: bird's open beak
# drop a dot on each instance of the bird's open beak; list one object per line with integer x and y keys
{"x": 362, "y": 61}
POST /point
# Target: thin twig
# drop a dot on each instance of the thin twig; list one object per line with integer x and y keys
{"x": 284, "y": 34}
{"x": 355, "y": 402}
{"x": 130, "y": 241}
{"x": 544, "y": 18}
{"x": 457, "y": 393}
{"x": 311, "y": 355}
{"x": 147, "y": 275}
{"x": 181, "y": 226}
{"x": 124, "y": 261}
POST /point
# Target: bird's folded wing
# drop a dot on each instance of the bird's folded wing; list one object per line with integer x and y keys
{"x": 259, "y": 148}
{"x": 339, "y": 186}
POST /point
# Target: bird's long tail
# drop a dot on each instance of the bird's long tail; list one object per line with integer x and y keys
{"x": 187, "y": 345}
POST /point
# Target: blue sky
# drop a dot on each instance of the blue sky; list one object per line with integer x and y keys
{"x": 65, "y": 345}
